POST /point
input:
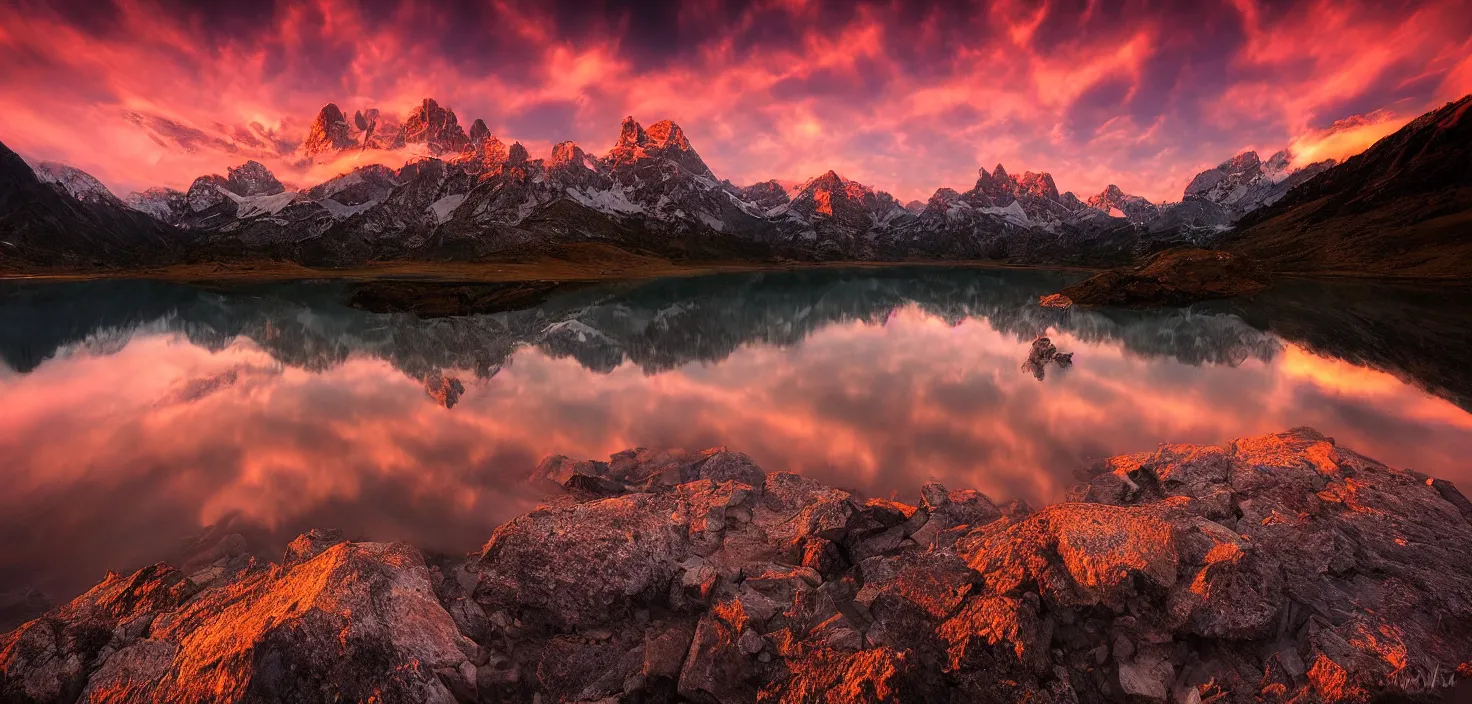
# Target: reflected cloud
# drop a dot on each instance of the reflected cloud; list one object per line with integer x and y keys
{"x": 139, "y": 412}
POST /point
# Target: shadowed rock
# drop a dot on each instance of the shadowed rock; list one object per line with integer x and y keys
{"x": 445, "y": 390}
{"x": 1043, "y": 353}
{"x": 1174, "y": 278}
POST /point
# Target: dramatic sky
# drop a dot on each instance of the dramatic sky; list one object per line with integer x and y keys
{"x": 905, "y": 96}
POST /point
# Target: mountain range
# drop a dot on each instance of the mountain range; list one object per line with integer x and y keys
{"x": 472, "y": 197}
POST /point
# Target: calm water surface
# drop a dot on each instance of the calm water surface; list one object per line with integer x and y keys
{"x": 135, "y": 414}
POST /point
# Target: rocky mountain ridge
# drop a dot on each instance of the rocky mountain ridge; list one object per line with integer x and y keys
{"x": 63, "y": 218}
{"x": 1403, "y": 206}
{"x": 1281, "y": 568}
{"x": 474, "y": 197}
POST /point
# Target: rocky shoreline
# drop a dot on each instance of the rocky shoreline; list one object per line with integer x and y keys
{"x": 1270, "y": 569}
{"x": 1177, "y": 277}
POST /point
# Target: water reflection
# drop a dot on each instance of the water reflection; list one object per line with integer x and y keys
{"x": 135, "y": 413}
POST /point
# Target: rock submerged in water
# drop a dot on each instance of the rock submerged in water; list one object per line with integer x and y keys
{"x": 1269, "y": 569}
{"x": 1043, "y": 353}
{"x": 1173, "y": 278}
{"x": 444, "y": 390}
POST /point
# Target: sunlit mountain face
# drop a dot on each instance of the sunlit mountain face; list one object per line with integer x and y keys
{"x": 906, "y": 97}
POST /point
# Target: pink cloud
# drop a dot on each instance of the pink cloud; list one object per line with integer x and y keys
{"x": 906, "y": 97}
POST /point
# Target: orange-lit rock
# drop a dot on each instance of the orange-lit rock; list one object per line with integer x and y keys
{"x": 1270, "y": 569}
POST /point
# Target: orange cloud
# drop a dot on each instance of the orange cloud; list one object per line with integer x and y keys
{"x": 1345, "y": 138}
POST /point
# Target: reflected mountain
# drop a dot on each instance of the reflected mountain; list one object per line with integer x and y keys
{"x": 657, "y": 325}
{"x": 666, "y": 323}
{"x": 1416, "y": 332}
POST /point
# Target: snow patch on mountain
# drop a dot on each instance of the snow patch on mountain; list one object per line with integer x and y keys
{"x": 612, "y": 201}
{"x": 256, "y": 206}
{"x": 77, "y": 183}
{"x": 338, "y": 211}
{"x": 1012, "y": 213}
{"x": 442, "y": 208}
{"x": 577, "y": 329}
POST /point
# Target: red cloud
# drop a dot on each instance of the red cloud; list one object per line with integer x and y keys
{"x": 907, "y": 97}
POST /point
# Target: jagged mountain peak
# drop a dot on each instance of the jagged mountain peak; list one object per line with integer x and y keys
{"x": 844, "y": 200}
{"x": 253, "y": 179}
{"x": 517, "y": 154}
{"x": 485, "y": 155}
{"x": 767, "y": 194}
{"x": 1038, "y": 184}
{"x": 1245, "y": 183}
{"x": 330, "y": 132}
{"x": 567, "y": 153}
{"x": 829, "y": 179}
{"x": 1114, "y": 201}
{"x": 1279, "y": 161}
{"x": 1112, "y": 194}
{"x": 478, "y": 131}
{"x": 664, "y": 134}
{"x": 568, "y": 157}
{"x": 994, "y": 188}
{"x": 631, "y": 134}
{"x": 663, "y": 140}
{"x": 668, "y": 135}
{"x": 435, "y": 127}
{"x": 161, "y": 203}
{"x": 831, "y": 182}
{"x": 367, "y": 183}
{"x": 1241, "y": 162}
{"x": 494, "y": 152}
{"x": 942, "y": 199}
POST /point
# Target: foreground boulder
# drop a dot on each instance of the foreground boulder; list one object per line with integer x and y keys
{"x": 1173, "y": 278}
{"x": 1281, "y": 568}
{"x": 354, "y": 622}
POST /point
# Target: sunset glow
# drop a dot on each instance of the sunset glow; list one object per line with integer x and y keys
{"x": 905, "y": 97}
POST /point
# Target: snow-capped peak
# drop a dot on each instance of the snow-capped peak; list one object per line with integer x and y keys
{"x": 77, "y": 183}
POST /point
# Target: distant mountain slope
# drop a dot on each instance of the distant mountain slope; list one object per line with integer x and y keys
{"x": 45, "y": 224}
{"x": 1403, "y": 206}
